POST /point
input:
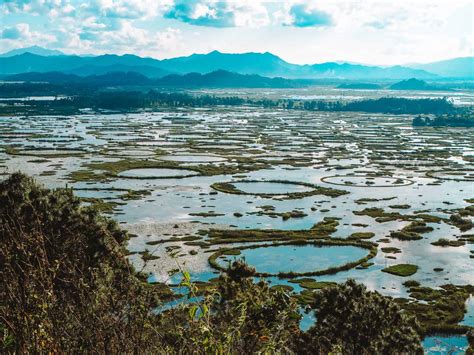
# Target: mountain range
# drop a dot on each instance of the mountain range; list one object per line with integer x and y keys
{"x": 33, "y": 50}
{"x": 453, "y": 68}
{"x": 216, "y": 79}
{"x": 37, "y": 59}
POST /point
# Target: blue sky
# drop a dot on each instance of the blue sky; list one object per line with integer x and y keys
{"x": 300, "y": 31}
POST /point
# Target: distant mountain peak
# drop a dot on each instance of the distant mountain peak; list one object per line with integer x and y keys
{"x": 263, "y": 63}
{"x": 45, "y": 52}
{"x": 454, "y": 68}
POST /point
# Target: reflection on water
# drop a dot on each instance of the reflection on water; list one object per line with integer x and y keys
{"x": 307, "y": 258}
{"x": 270, "y": 187}
{"x": 442, "y": 344}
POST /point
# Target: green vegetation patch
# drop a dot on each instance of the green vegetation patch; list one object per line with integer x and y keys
{"x": 397, "y": 181}
{"x": 411, "y": 283}
{"x": 104, "y": 170}
{"x": 411, "y": 231}
{"x": 312, "y": 284}
{"x": 391, "y": 250}
{"x": 442, "y": 242}
{"x": 229, "y": 187}
{"x": 400, "y": 207}
{"x": 320, "y": 230}
{"x": 440, "y": 309}
{"x": 206, "y": 214}
{"x": 328, "y": 242}
{"x": 284, "y": 215}
{"x": 362, "y": 235}
{"x": 45, "y": 152}
{"x": 463, "y": 224}
{"x": 382, "y": 216}
{"x": 401, "y": 269}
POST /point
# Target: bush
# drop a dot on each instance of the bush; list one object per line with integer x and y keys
{"x": 64, "y": 282}
{"x": 352, "y": 320}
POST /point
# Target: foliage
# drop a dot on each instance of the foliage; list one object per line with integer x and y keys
{"x": 401, "y": 105}
{"x": 357, "y": 321}
{"x": 64, "y": 282}
{"x": 239, "y": 317}
{"x": 401, "y": 269}
{"x": 463, "y": 119}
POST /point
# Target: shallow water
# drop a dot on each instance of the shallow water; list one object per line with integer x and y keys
{"x": 442, "y": 344}
{"x": 265, "y": 187}
{"x": 301, "y": 259}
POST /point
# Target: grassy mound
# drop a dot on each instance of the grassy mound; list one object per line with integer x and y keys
{"x": 401, "y": 269}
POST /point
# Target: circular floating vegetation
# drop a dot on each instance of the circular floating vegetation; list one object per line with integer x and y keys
{"x": 156, "y": 173}
{"x": 193, "y": 158}
{"x": 454, "y": 175}
{"x": 270, "y": 188}
{"x": 47, "y": 153}
{"x": 297, "y": 259}
{"x": 367, "y": 181}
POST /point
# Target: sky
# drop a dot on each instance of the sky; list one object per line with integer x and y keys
{"x": 382, "y": 32}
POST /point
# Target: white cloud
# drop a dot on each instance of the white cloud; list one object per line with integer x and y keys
{"x": 131, "y": 39}
{"x": 127, "y": 9}
{"x": 215, "y": 13}
{"x": 21, "y": 35}
{"x": 51, "y": 8}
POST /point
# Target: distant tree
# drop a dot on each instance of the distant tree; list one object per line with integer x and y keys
{"x": 419, "y": 121}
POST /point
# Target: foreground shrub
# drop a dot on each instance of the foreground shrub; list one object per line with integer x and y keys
{"x": 352, "y": 320}
{"x": 65, "y": 284}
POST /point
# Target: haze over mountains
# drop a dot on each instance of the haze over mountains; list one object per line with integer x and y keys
{"x": 215, "y": 79}
{"x": 33, "y": 50}
{"x": 37, "y": 59}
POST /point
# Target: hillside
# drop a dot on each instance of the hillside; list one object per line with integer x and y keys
{"x": 415, "y": 84}
{"x": 218, "y": 79}
{"x": 451, "y": 68}
{"x": 33, "y": 50}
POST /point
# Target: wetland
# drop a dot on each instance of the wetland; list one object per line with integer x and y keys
{"x": 309, "y": 198}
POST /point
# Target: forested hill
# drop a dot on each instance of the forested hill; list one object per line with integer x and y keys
{"x": 218, "y": 79}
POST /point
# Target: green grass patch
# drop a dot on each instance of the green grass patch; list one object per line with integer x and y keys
{"x": 401, "y": 269}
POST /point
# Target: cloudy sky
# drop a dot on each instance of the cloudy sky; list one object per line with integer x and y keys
{"x": 300, "y": 31}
